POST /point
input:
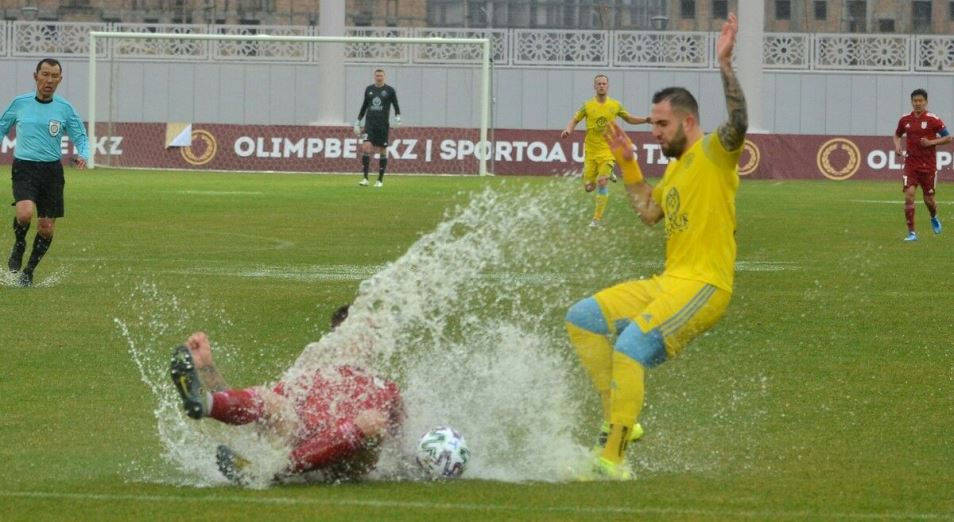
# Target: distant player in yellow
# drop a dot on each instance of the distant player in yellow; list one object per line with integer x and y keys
{"x": 653, "y": 319}
{"x": 598, "y": 162}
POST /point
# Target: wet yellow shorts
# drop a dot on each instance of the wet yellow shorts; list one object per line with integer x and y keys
{"x": 676, "y": 309}
{"x": 597, "y": 168}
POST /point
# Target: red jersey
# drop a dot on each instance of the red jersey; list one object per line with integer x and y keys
{"x": 330, "y": 402}
{"x": 925, "y": 125}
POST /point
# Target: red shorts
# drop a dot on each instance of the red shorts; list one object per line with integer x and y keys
{"x": 926, "y": 180}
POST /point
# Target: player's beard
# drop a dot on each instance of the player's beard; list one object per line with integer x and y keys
{"x": 677, "y": 145}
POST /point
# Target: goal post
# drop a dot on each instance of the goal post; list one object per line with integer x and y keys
{"x": 107, "y": 46}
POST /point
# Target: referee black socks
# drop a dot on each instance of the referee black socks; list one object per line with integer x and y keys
{"x": 40, "y": 246}
{"x": 19, "y": 245}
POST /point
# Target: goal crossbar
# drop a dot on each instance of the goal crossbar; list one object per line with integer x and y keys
{"x": 484, "y": 65}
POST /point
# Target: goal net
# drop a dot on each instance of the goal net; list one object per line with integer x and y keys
{"x": 285, "y": 102}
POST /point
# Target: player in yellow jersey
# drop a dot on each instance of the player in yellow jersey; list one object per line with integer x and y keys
{"x": 598, "y": 162}
{"x": 652, "y": 320}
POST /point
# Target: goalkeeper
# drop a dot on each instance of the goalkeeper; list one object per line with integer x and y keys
{"x": 376, "y": 109}
{"x": 334, "y": 419}
{"x": 598, "y": 163}
{"x": 652, "y": 320}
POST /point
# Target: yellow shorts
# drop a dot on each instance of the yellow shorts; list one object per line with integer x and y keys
{"x": 597, "y": 168}
{"x": 679, "y": 309}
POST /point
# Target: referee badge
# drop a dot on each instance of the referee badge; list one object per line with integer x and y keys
{"x": 54, "y": 128}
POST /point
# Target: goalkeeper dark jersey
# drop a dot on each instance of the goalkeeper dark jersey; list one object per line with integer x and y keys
{"x": 377, "y": 105}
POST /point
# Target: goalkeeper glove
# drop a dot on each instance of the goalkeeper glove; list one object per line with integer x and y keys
{"x": 357, "y": 127}
{"x": 397, "y": 120}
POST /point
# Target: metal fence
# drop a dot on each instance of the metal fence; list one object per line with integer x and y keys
{"x": 510, "y": 47}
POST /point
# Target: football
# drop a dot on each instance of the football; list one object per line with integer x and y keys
{"x": 442, "y": 453}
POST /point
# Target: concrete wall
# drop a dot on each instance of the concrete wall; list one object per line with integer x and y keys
{"x": 526, "y": 98}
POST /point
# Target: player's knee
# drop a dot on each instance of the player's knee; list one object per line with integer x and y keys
{"x": 602, "y": 182}
{"x": 45, "y": 228}
{"x": 586, "y": 314}
{"x": 646, "y": 348}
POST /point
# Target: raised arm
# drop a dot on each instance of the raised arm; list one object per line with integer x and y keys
{"x": 732, "y": 131}
{"x": 640, "y": 193}
{"x": 201, "y": 350}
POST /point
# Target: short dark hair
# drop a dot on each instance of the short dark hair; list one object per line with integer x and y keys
{"x": 679, "y": 98}
{"x": 919, "y": 92}
{"x": 339, "y": 315}
{"x": 52, "y": 61}
{"x": 376, "y": 71}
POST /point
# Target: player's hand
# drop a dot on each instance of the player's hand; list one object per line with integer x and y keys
{"x": 397, "y": 121}
{"x": 564, "y": 134}
{"x": 200, "y": 348}
{"x": 726, "y": 40}
{"x": 357, "y": 129}
{"x": 78, "y": 162}
{"x": 926, "y": 142}
{"x": 620, "y": 144}
{"x": 622, "y": 148}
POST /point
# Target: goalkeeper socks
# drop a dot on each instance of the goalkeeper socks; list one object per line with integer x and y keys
{"x": 366, "y": 164}
{"x": 237, "y": 406}
{"x": 382, "y": 164}
{"x": 40, "y": 246}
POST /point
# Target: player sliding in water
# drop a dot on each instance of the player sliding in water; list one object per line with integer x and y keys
{"x": 334, "y": 419}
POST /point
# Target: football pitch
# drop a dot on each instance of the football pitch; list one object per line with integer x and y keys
{"x": 825, "y": 393}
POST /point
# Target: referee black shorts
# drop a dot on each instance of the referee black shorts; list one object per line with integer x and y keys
{"x": 42, "y": 183}
{"x": 377, "y": 135}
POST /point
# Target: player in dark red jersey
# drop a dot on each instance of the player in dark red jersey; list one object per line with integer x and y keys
{"x": 334, "y": 419}
{"x": 924, "y": 132}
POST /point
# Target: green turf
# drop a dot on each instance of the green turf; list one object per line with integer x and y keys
{"x": 827, "y": 391}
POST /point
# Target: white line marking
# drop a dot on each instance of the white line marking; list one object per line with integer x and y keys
{"x": 894, "y": 201}
{"x": 218, "y": 192}
{"x": 292, "y": 501}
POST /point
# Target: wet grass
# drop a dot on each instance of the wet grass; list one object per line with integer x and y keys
{"x": 825, "y": 393}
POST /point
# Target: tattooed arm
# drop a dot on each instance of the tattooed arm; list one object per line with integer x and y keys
{"x": 201, "y": 351}
{"x": 732, "y": 132}
{"x": 212, "y": 379}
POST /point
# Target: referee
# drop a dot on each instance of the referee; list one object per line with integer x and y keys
{"x": 41, "y": 120}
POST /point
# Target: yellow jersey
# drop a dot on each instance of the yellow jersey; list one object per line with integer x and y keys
{"x": 697, "y": 196}
{"x": 598, "y": 116}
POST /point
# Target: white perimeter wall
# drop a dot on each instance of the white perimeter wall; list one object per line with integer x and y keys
{"x": 526, "y": 98}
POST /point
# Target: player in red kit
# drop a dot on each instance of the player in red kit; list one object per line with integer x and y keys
{"x": 334, "y": 419}
{"x": 924, "y": 131}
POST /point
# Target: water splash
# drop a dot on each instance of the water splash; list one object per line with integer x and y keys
{"x": 43, "y": 280}
{"x": 469, "y": 322}
{"x": 154, "y": 323}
